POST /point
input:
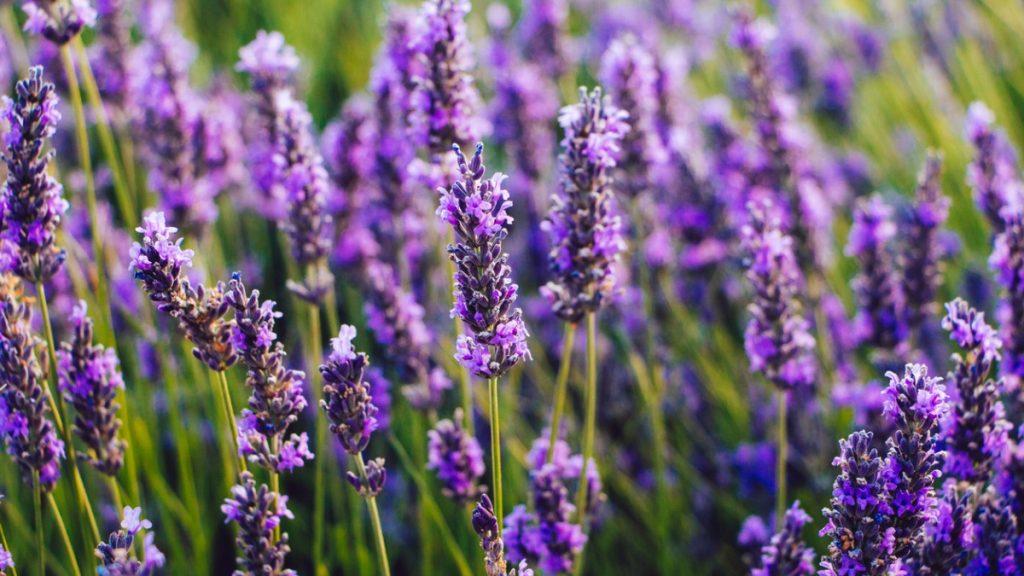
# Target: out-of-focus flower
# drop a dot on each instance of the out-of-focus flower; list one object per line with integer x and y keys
{"x": 787, "y": 553}
{"x": 543, "y": 35}
{"x": 993, "y": 174}
{"x": 948, "y": 535}
{"x": 455, "y": 456}
{"x": 920, "y": 259}
{"x": 1007, "y": 261}
{"x": 880, "y": 317}
{"x": 257, "y": 511}
{"x": 116, "y": 554}
{"x": 57, "y": 21}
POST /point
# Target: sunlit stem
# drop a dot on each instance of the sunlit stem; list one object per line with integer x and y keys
{"x": 64, "y": 536}
{"x": 371, "y": 502}
{"x": 561, "y": 386}
{"x": 499, "y": 510}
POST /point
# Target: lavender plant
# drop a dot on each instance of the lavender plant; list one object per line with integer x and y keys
{"x": 116, "y": 554}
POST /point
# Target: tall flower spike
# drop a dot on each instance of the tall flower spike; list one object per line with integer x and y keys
{"x": 396, "y": 320}
{"x": 859, "y": 542}
{"x": 30, "y": 436}
{"x": 159, "y": 262}
{"x": 583, "y": 227}
{"x": 258, "y": 512}
{"x": 559, "y": 541}
{"x": 276, "y": 399}
{"x": 995, "y": 537}
{"x": 57, "y": 21}
{"x": 1007, "y": 261}
{"x": 89, "y": 376}
{"x": 116, "y": 554}
{"x": 993, "y": 172}
{"x": 110, "y": 56}
{"x": 879, "y": 320}
{"x": 778, "y": 339}
{"x": 6, "y": 560}
{"x": 485, "y": 295}
{"x": 542, "y": 35}
{"x": 346, "y": 398}
{"x": 786, "y": 554}
{"x": 445, "y": 103}
{"x": 976, "y": 431}
{"x": 919, "y": 261}
{"x": 31, "y": 198}
{"x": 914, "y": 404}
{"x": 948, "y": 535}
{"x": 457, "y": 459}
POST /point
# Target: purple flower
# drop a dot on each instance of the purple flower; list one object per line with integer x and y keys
{"x": 559, "y": 540}
{"x": 30, "y": 436}
{"x": 56, "y": 21}
{"x": 993, "y": 172}
{"x": 879, "y": 320}
{"x": 110, "y": 56}
{"x": 778, "y": 339}
{"x": 919, "y": 260}
{"x": 376, "y": 476}
{"x": 6, "y": 560}
{"x": 455, "y": 456}
{"x": 346, "y": 398}
{"x": 31, "y": 198}
{"x": 159, "y": 263}
{"x": 787, "y": 553}
{"x": 116, "y": 554}
{"x": 89, "y": 376}
{"x": 976, "y": 430}
{"x": 1007, "y": 261}
{"x": 276, "y": 399}
{"x": 485, "y": 524}
{"x": 444, "y": 101}
{"x": 859, "y": 541}
{"x": 396, "y": 320}
{"x": 543, "y": 36}
{"x": 583, "y": 227}
{"x": 485, "y": 295}
{"x": 257, "y": 511}
{"x": 948, "y": 535}
{"x": 995, "y": 537}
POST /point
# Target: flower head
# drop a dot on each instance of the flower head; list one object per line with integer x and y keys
{"x": 993, "y": 172}
{"x": 58, "y": 22}
{"x": 258, "y": 512}
{"x": 116, "y": 554}
{"x": 786, "y": 552}
{"x": 346, "y": 398}
{"x": 457, "y": 459}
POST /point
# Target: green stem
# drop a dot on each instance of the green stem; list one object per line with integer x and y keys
{"x": 315, "y": 355}
{"x": 591, "y": 415}
{"x": 229, "y": 410}
{"x": 37, "y": 503}
{"x": 499, "y": 510}
{"x": 65, "y": 537}
{"x": 371, "y": 502}
{"x": 115, "y": 493}
{"x": 15, "y": 39}
{"x": 561, "y": 386}
{"x": 780, "y": 461}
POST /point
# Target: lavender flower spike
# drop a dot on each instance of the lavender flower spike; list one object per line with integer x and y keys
{"x": 116, "y": 553}
{"x": 89, "y": 376}
{"x": 584, "y": 230}
{"x": 485, "y": 524}
{"x": 58, "y": 22}
{"x": 31, "y": 198}
{"x": 879, "y": 321}
{"x": 993, "y": 172}
{"x": 1007, "y": 261}
{"x": 778, "y": 339}
{"x": 976, "y": 431}
{"x": 948, "y": 535}
{"x": 346, "y": 398}
{"x": 786, "y": 554}
{"x": 28, "y": 433}
{"x": 559, "y": 540}
{"x": 457, "y": 459}
{"x": 920, "y": 266}
{"x": 258, "y": 511}
{"x": 914, "y": 404}
{"x": 485, "y": 295}
{"x": 276, "y": 398}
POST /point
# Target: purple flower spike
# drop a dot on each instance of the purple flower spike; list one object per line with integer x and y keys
{"x": 778, "y": 339}
{"x": 485, "y": 524}
{"x": 948, "y": 535}
{"x": 995, "y": 537}
{"x": 485, "y": 295}
{"x": 396, "y": 320}
{"x": 859, "y": 541}
{"x": 993, "y": 172}
{"x": 269, "y": 61}
{"x": 28, "y": 433}
{"x": 879, "y": 320}
{"x": 559, "y": 540}
{"x": 110, "y": 56}
{"x": 787, "y": 554}
{"x": 457, "y": 459}
{"x": 914, "y": 404}
{"x": 58, "y": 22}
{"x": 258, "y": 511}
{"x": 31, "y": 199}
{"x": 919, "y": 261}
{"x": 276, "y": 398}
{"x": 376, "y": 476}
{"x": 445, "y": 103}
{"x": 116, "y": 554}
{"x": 976, "y": 431}
{"x": 584, "y": 230}
{"x": 542, "y": 35}
{"x": 1007, "y": 261}
{"x": 346, "y": 398}
{"x": 89, "y": 377}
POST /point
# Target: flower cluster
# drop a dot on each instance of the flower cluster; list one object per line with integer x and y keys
{"x": 993, "y": 174}
{"x": 89, "y": 376}
{"x": 485, "y": 524}
{"x": 919, "y": 262}
{"x": 31, "y": 198}
{"x": 58, "y": 22}
{"x": 457, "y": 459}
{"x": 258, "y": 512}
{"x": 373, "y": 484}
{"x": 1007, "y": 260}
{"x": 347, "y": 398}
{"x": 276, "y": 398}
{"x": 948, "y": 536}
{"x": 485, "y": 295}
{"x": 116, "y": 553}
{"x": 880, "y": 318}
{"x": 787, "y": 553}
{"x": 110, "y": 56}
{"x": 583, "y": 227}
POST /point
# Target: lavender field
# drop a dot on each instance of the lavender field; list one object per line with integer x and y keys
{"x": 523, "y": 288}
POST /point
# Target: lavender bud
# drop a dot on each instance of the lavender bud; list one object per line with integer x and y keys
{"x": 485, "y": 524}
{"x": 457, "y": 459}
{"x": 56, "y": 21}
{"x": 584, "y": 230}
{"x": 993, "y": 172}
{"x": 258, "y": 511}
{"x": 346, "y": 399}
{"x": 31, "y": 198}
{"x": 919, "y": 261}
{"x": 559, "y": 540}
{"x": 948, "y": 535}
{"x": 89, "y": 376}
{"x": 786, "y": 554}
{"x": 879, "y": 320}
{"x": 376, "y": 476}
{"x": 485, "y": 295}
{"x": 1007, "y": 261}
{"x": 116, "y": 554}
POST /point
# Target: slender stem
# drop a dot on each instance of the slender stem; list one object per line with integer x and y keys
{"x": 115, "y": 493}
{"x": 499, "y": 509}
{"x": 780, "y": 462}
{"x": 591, "y": 415}
{"x": 65, "y": 537}
{"x": 229, "y": 409}
{"x": 371, "y": 502}
{"x": 15, "y": 40}
{"x": 37, "y": 503}
{"x": 315, "y": 355}
{"x": 561, "y": 386}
